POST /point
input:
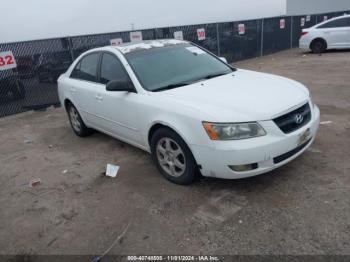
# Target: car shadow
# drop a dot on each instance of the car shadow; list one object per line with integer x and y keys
{"x": 330, "y": 51}
{"x": 245, "y": 185}
{"x": 254, "y": 184}
{"x": 337, "y": 50}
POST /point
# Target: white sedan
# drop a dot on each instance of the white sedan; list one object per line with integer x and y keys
{"x": 190, "y": 109}
{"x": 331, "y": 34}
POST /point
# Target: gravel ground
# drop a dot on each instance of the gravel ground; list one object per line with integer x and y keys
{"x": 301, "y": 208}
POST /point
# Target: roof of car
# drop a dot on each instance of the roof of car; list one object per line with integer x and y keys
{"x": 333, "y": 18}
{"x": 329, "y": 20}
{"x": 338, "y": 17}
{"x": 147, "y": 44}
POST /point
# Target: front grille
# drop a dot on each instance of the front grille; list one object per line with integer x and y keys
{"x": 290, "y": 122}
{"x": 291, "y": 153}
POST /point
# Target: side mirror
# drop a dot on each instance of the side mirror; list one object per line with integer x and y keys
{"x": 120, "y": 85}
{"x": 223, "y": 59}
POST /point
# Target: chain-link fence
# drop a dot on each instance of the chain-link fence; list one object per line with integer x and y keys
{"x": 32, "y": 83}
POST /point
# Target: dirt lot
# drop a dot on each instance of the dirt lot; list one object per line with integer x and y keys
{"x": 301, "y": 208}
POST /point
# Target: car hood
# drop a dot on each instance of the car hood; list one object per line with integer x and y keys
{"x": 239, "y": 96}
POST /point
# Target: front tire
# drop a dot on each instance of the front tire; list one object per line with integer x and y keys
{"x": 173, "y": 157}
{"x": 77, "y": 123}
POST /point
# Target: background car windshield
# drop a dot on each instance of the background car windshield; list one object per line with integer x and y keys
{"x": 158, "y": 68}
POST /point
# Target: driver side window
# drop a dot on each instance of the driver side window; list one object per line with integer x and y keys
{"x": 112, "y": 69}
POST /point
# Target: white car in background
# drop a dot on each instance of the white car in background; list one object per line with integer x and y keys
{"x": 331, "y": 34}
{"x": 189, "y": 109}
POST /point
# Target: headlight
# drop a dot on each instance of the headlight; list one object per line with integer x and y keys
{"x": 312, "y": 102}
{"x": 233, "y": 131}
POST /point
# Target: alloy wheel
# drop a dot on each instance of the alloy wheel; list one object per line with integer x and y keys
{"x": 75, "y": 119}
{"x": 171, "y": 157}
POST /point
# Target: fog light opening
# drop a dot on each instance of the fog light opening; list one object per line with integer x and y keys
{"x": 244, "y": 168}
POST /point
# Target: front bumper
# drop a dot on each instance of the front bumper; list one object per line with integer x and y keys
{"x": 215, "y": 162}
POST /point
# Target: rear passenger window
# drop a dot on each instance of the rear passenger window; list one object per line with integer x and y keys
{"x": 112, "y": 69}
{"x": 343, "y": 22}
{"x": 87, "y": 68}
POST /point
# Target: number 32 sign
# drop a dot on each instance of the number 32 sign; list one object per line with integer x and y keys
{"x": 7, "y": 60}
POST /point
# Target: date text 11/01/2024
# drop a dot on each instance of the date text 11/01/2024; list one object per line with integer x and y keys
{"x": 173, "y": 258}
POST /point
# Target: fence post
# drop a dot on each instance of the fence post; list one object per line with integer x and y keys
{"x": 70, "y": 45}
{"x": 291, "y": 32}
{"x": 218, "y": 38}
{"x": 262, "y": 38}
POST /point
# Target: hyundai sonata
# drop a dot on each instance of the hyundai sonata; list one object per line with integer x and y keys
{"x": 331, "y": 34}
{"x": 190, "y": 109}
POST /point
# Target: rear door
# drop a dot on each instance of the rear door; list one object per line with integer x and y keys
{"x": 336, "y": 33}
{"x": 83, "y": 87}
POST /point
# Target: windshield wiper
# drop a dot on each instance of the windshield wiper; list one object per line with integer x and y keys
{"x": 214, "y": 75}
{"x": 171, "y": 86}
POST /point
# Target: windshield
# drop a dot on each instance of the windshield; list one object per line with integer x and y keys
{"x": 173, "y": 66}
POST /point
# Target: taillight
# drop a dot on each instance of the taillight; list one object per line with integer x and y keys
{"x": 304, "y": 33}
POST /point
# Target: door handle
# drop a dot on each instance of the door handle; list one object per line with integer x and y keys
{"x": 98, "y": 97}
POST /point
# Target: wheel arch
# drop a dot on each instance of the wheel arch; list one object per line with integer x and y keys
{"x": 161, "y": 124}
{"x": 67, "y": 102}
{"x": 319, "y": 39}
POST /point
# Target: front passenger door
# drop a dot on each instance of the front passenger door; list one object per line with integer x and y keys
{"x": 118, "y": 110}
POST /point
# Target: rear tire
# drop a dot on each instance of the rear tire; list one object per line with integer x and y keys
{"x": 77, "y": 123}
{"x": 173, "y": 157}
{"x": 318, "y": 46}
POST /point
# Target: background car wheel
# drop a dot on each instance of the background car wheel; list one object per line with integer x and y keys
{"x": 78, "y": 126}
{"x": 173, "y": 158}
{"x": 318, "y": 46}
{"x": 18, "y": 90}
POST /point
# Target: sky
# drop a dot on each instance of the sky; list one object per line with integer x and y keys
{"x": 42, "y": 19}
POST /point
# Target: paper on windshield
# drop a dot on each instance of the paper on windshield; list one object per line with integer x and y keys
{"x": 195, "y": 50}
